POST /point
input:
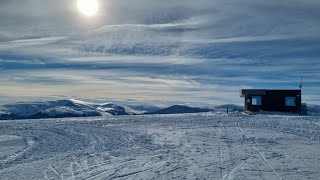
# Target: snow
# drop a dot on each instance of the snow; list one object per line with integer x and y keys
{"x": 112, "y": 109}
{"x": 229, "y": 107}
{"x": 314, "y": 110}
{"x": 8, "y": 138}
{"x": 120, "y": 109}
{"x": 83, "y": 102}
{"x": 10, "y": 145}
{"x": 186, "y": 146}
{"x": 55, "y": 111}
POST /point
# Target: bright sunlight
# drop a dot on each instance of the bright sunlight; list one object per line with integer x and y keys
{"x": 88, "y": 7}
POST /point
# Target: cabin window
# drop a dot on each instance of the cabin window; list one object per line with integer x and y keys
{"x": 256, "y": 100}
{"x": 290, "y": 101}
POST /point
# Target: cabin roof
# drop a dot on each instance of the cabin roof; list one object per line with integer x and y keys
{"x": 245, "y": 92}
{"x": 262, "y": 92}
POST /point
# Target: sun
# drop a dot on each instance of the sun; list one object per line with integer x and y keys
{"x": 88, "y": 7}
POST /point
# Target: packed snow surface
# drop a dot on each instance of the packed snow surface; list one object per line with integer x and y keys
{"x": 185, "y": 146}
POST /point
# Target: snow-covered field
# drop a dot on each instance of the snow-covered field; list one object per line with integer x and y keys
{"x": 189, "y": 146}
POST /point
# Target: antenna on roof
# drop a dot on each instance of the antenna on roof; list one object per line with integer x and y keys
{"x": 300, "y": 86}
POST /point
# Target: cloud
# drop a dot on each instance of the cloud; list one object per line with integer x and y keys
{"x": 162, "y": 51}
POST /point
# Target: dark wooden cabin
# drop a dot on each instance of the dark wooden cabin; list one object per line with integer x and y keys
{"x": 272, "y": 100}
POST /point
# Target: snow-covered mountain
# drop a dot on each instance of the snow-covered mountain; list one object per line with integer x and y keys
{"x": 78, "y": 108}
{"x": 48, "y": 109}
{"x": 179, "y": 109}
{"x": 115, "y": 109}
{"x": 68, "y": 108}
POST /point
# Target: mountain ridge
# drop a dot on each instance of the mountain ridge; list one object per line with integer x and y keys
{"x": 180, "y": 109}
{"x": 67, "y": 108}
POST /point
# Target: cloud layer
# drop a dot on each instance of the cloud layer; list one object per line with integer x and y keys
{"x": 199, "y": 52}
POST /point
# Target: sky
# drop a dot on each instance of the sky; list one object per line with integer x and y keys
{"x": 164, "y": 52}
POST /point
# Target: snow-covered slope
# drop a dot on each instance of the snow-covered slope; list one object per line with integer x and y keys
{"x": 121, "y": 109}
{"x": 184, "y": 146}
{"x": 314, "y": 110}
{"x": 49, "y": 109}
{"x": 114, "y": 109}
{"x": 178, "y": 109}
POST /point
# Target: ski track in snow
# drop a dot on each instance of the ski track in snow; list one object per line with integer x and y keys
{"x": 190, "y": 146}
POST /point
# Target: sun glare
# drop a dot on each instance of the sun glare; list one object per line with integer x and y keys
{"x": 88, "y": 7}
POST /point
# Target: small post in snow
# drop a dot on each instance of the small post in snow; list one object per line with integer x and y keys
{"x": 227, "y": 109}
